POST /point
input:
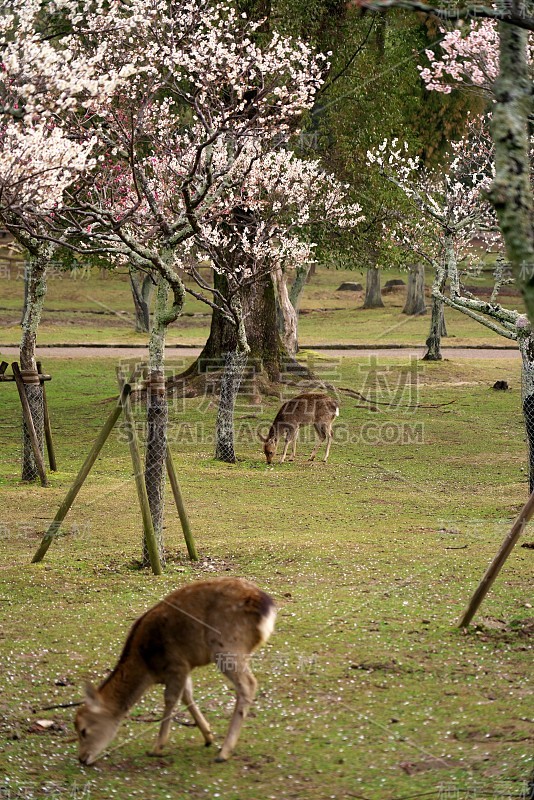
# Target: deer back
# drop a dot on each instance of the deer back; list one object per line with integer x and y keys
{"x": 195, "y": 623}
{"x": 305, "y": 409}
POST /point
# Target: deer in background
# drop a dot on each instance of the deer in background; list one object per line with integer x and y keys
{"x": 310, "y": 408}
{"x": 221, "y": 620}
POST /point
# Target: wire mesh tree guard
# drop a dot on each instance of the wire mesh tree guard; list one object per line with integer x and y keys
{"x": 122, "y": 406}
{"x": 36, "y": 428}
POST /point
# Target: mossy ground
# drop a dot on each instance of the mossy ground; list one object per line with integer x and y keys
{"x": 367, "y": 688}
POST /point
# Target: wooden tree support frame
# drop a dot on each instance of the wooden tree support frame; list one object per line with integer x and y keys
{"x": 20, "y": 379}
{"x": 123, "y": 406}
{"x": 495, "y": 567}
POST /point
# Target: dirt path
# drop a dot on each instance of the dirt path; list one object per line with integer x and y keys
{"x": 128, "y": 352}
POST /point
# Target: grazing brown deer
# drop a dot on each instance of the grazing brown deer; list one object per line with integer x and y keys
{"x": 310, "y": 408}
{"x": 221, "y": 620}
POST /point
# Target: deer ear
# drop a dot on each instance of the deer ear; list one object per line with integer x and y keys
{"x": 262, "y": 438}
{"x": 92, "y": 700}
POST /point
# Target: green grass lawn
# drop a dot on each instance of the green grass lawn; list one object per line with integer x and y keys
{"x": 367, "y": 689}
{"x": 97, "y": 307}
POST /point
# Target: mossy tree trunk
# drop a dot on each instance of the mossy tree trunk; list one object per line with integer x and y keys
{"x": 267, "y": 353}
{"x": 511, "y": 193}
{"x": 38, "y": 259}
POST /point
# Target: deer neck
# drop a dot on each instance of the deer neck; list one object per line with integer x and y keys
{"x": 274, "y": 433}
{"x": 125, "y": 686}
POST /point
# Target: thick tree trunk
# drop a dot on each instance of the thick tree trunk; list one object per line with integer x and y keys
{"x": 38, "y": 260}
{"x": 141, "y": 285}
{"x": 373, "y": 296}
{"x": 157, "y": 420}
{"x": 267, "y": 351}
{"x": 415, "y": 294}
{"x": 511, "y": 193}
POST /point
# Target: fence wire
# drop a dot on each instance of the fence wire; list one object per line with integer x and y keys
{"x": 34, "y": 394}
{"x": 234, "y": 367}
{"x": 527, "y": 393}
{"x": 157, "y": 415}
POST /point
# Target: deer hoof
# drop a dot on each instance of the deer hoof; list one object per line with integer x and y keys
{"x": 219, "y": 758}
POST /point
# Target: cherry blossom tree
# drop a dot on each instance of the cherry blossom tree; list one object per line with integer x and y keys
{"x": 444, "y": 210}
{"x": 467, "y": 59}
{"x": 37, "y": 164}
{"x": 171, "y": 97}
{"x": 510, "y": 192}
{"x": 262, "y": 231}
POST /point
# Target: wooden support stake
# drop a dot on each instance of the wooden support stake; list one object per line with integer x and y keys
{"x": 27, "y": 414}
{"x": 178, "y": 499}
{"x": 139, "y": 475}
{"x": 47, "y": 428}
{"x": 3, "y": 366}
{"x": 80, "y": 478}
{"x": 495, "y": 567}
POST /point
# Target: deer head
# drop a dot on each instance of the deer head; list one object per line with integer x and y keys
{"x": 95, "y": 725}
{"x": 269, "y": 447}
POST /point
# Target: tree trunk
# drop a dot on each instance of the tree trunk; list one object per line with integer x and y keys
{"x": 37, "y": 262}
{"x": 511, "y": 193}
{"x": 415, "y": 294}
{"x": 267, "y": 351}
{"x": 298, "y": 285}
{"x": 157, "y": 420}
{"x": 287, "y": 316}
{"x": 141, "y": 285}
{"x": 234, "y": 365}
{"x": 373, "y": 296}
{"x": 437, "y": 322}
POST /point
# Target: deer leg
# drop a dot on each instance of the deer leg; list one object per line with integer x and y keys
{"x": 201, "y": 723}
{"x": 239, "y": 673}
{"x": 322, "y": 436}
{"x": 295, "y": 437}
{"x": 287, "y": 437}
{"x": 329, "y": 435}
{"x": 173, "y": 690}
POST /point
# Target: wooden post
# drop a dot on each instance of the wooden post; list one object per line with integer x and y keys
{"x": 3, "y": 366}
{"x": 139, "y": 475}
{"x": 47, "y": 428}
{"x": 178, "y": 499}
{"x": 27, "y": 414}
{"x": 80, "y": 478}
{"x": 495, "y": 567}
